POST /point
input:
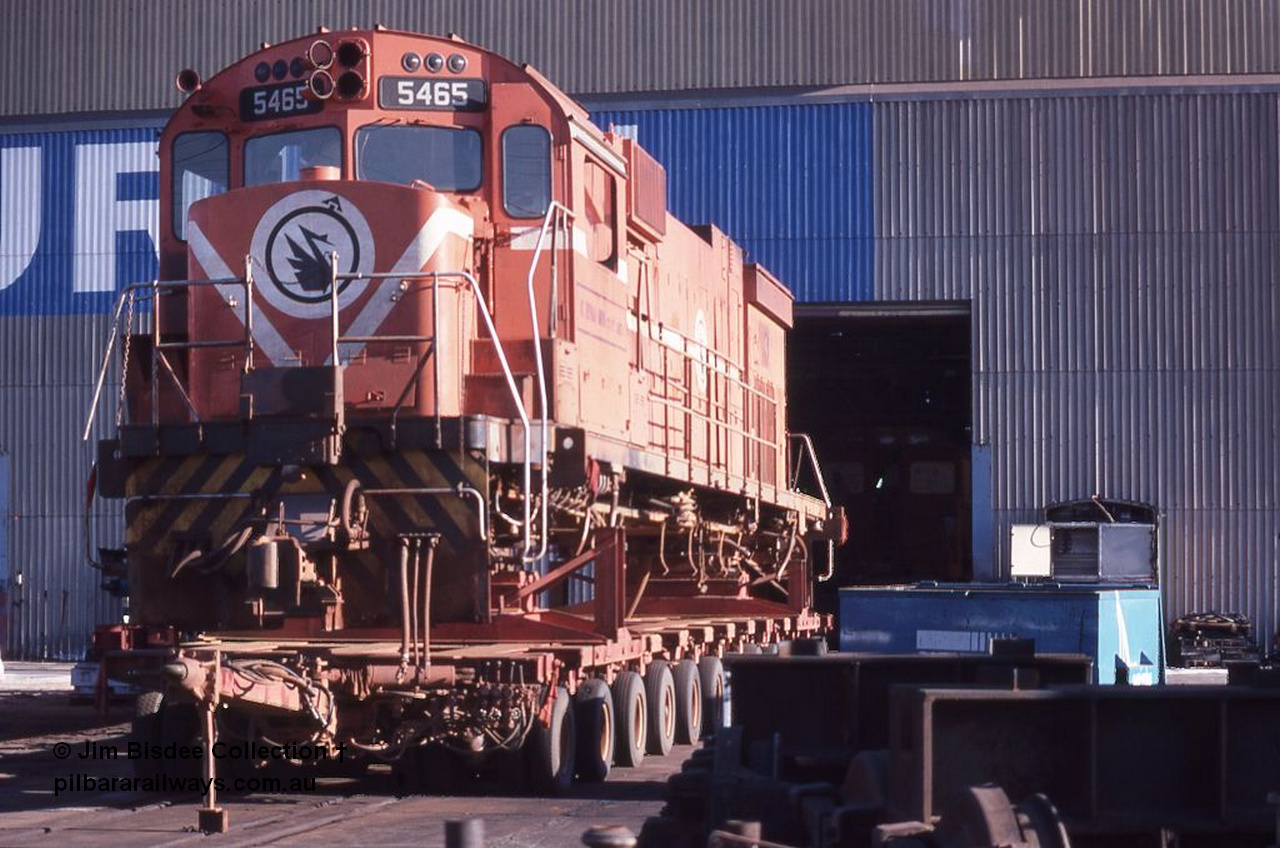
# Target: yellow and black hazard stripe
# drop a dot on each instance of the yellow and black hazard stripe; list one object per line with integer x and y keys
{"x": 171, "y": 496}
{"x": 450, "y": 516}
{"x": 162, "y": 503}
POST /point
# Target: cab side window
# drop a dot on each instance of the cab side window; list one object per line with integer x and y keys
{"x": 201, "y": 162}
{"x": 599, "y": 202}
{"x": 526, "y": 171}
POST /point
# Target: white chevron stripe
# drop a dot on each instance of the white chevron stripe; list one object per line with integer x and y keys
{"x": 443, "y": 222}
{"x": 268, "y": 339}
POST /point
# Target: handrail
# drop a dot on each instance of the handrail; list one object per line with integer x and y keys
{"x": 106, "y": 364}
{"x": 560, "y": 213}
{"x": 511, "y": 385}
{"x": 525, "y": 423}
{"x": 462, "y": 490}
{"x": 154, "y": 287}
{"x": 152, "y": 290}
{"x": 807, "y": 446}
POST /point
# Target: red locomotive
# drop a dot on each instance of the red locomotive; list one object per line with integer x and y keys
{"x": 440, "y": 436}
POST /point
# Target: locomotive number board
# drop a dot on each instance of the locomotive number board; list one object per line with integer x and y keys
{"x": 454, "y": 95}
{"x": 264, "y": 102}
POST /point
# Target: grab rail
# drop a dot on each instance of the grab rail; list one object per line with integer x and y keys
{"x": 806, "y": 447}
{"x": 129, "y": 295}
{"x": 483, "y": 307}
{"x": 151, "y": 290}
{"x": 561, "y": 215}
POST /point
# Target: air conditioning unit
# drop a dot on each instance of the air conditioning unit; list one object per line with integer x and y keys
{"x": 1083, "y": 551}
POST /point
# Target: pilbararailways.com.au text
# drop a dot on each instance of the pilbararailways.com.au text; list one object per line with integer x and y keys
{"x": 243, "y": 751}
{"x": 170, "y": 785}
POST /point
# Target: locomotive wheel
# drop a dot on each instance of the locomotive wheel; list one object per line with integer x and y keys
{"x": 660, "y": 690}
{"x": 711, "y": 674}
{"x": 632, "y": 715}
{"x": 688, "y": 702}
{"x": 551, "y": 748}
{"x": 593, "y": 706}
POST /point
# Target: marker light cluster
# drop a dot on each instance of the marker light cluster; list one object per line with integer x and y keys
{"x": 433, "y": 62}
{"x": 279, "y": 69}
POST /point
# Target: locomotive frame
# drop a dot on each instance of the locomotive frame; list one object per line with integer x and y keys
{"x": 531, "y": 474}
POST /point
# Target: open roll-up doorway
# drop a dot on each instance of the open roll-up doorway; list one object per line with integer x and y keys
{"x": 884, "y": 390}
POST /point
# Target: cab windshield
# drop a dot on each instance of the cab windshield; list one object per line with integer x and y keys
{"x": 280, "y": 157}
{"x": 446, "y": 158}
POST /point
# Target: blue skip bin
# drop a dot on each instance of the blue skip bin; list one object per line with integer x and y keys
{"x": 1119, "y": 627}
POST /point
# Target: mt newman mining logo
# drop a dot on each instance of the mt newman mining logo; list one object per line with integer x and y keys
{"x": 296, "y": 240}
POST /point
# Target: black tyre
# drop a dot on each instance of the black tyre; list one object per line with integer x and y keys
{"x": 631, "y": 719}
{"x": 552, "y": 747}
{"x": 711, "y": 674}
{"x": 593, "y": 707}
{"x": 808, "y": 647}
{"x": 688, "y": 702}
{"x": 159, "y": 721}
{"x": 660, "y": 690}
{"x": 427, "y": 770}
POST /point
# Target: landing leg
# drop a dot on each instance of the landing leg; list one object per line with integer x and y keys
{"x": 212, "y": 818}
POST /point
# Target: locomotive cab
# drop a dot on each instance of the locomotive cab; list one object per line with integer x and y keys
{"x": 380, "y": 160}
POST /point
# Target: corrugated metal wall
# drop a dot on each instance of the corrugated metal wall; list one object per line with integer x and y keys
{"x": 1121, "y": 256}
{"x": 791, "y": 184}
{"x": 1119, "y": 251}
{"x": 54, "y": 596}
{"x": 94, "y": 55}
{"x": 77, "y": 214}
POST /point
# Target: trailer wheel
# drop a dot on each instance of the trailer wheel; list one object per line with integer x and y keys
{"x": 632, "y": 715}
{"x": 711, "y": 674}
{"x": 552, "y": 748}
{"x": 660, "y": 690}
{"x": 594, "y": 716}
{"x": 159, "y": 721}
{"x": 688, "y": 702}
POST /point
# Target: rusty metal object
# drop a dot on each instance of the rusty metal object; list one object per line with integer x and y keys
{"x": 824, "y": 709}
{"x": 984, "y": 817}
{"x": 1115, "y": 760}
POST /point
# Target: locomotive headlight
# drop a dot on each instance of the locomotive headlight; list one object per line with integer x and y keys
{"x": 350, "y": 86}
{"x": 350, "y": 53}
{"x": 435, "y": 62}
{"x": 457, "y": 63}
{"x": 411, "y": 62}
{"x": 320, "y": 54}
